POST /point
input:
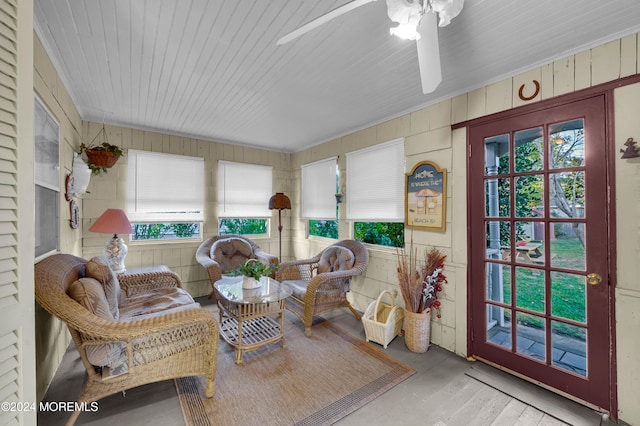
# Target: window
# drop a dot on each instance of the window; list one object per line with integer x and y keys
{"x": 243, "y": 226}
{"x": 47, "y": 180}
{"x": 165, "y": 195}
{"x": 243, "y": 197}
{"x": 375, "y": 193}
{"x": 319, "y": 186}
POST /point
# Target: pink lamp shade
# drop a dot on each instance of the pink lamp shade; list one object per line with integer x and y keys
{"x": 112, "y": 221}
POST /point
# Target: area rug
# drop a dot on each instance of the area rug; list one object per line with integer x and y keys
{"x": 314, "y": 380}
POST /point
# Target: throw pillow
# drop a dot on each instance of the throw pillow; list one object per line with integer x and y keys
{"x": 230, "y": 253}
{"x": 88, "y": 292}
{"x": 98, "y": 268}
{"x": 335, "y": 258}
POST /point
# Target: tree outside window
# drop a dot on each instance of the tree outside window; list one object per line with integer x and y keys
{"x": 165, "y": 231}
{"x": 324, "y": 228}
{"x": 243, "y": 226}
{"x": 381, "y": 233}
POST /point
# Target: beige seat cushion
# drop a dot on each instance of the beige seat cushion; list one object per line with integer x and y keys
{"x": 230, "y": 253}
{"x": 156, "y": 302}
{"x": 89, "y": 293}
{"x": 298, "y": 287}
{"x": 98, "y": 268}
{"x": 335, "y": 258}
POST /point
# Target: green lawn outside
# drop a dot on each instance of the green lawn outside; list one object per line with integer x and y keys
{"x": 568, "y": 291}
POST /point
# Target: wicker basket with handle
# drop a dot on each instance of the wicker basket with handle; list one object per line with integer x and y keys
{"x": 382, "y": 322}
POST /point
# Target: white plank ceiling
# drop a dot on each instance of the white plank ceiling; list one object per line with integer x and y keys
{"x": 211, "y": 69}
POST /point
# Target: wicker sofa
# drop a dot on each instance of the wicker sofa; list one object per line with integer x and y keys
{"x": 320, "y": 284}
{"x": 154, "y": 332}
{"x": 225, "y": 253}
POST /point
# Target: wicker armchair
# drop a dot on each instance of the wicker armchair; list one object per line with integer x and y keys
{"x": 177, "y": 342}
{"x": 320, "y": 284}
{"x": 239, "y": 250}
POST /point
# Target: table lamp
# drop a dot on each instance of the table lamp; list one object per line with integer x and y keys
{"x": 114, "y": 221}
{"x": 279, "y": 202}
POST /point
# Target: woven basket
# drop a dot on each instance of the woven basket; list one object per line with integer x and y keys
{"x": 382, "y": 322}
{"x": 417, "y": 330}
{"x": 102, "y": 158}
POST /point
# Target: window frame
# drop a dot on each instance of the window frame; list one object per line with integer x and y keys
{"x": 162, "y": 217}
{"x": 313, "y": 172}
{"x": 377, "y": 157}
{"x": 52, "y": 214}
{"x": 232, "y": 174}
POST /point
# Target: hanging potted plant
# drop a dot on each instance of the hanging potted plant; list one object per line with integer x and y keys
{"x": 101, "y": 156}
{"x": 419, "y": 286}
{"x": 253, "y": 270}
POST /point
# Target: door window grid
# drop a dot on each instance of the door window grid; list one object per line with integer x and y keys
{"x": 528, "y": 179}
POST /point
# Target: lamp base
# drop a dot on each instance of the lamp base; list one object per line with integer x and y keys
{"x": 115, "y": 251}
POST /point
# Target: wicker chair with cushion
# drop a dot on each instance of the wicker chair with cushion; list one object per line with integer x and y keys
{"x": 320, "y": 284}
{"x": 131, "y": 329}
{"x": 225, "y": 253}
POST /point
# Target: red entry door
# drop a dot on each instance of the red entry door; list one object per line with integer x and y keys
{"x": 539, "y": 261}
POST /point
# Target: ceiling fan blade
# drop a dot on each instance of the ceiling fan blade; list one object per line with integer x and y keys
{"x": 429, "y": 53}
{"x": 322, "y": 20}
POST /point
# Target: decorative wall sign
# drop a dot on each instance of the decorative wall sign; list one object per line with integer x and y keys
{"x": 631, "y": 150}
{"x": 426, "y": 196}
{"x": 69, "y": 187}
{"x": 74, "y": 211}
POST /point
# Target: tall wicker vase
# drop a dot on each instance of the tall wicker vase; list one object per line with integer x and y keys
{"x": 417, "y": 330}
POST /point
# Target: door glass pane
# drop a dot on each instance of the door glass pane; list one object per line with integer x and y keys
{"x": 530, "y": 336}
{"x": 529, "y": 247}
{"x": 499, "y": 326}
{"x": 529, "y": 150}
{"x": 566, "y": 144}
{"x": 530, "y": 293}
{"x": 567, "y": 194}
{"x": 498, "y": 200}
{"x": 568, "y": 296}
{"x": 498, "y": 240}
{"x": 498, "y": 283}
{"x": 569, "y": 347}
{"x": 567, "y": 246}
{"x": 529, "y": 192}
{"x": 496, "y": 155}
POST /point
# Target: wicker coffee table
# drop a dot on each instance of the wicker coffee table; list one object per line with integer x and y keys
{"x": 253, "y": 318}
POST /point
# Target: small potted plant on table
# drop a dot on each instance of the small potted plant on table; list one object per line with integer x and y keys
{"x": 253, "y": 270}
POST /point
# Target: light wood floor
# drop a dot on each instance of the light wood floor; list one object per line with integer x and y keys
{"x": 446, "y": 390}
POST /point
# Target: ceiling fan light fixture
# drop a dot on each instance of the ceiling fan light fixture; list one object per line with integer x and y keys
{"x": 406, "y": 14}
{"x": 405, "y": 31}
{"x": 446, "y": 9}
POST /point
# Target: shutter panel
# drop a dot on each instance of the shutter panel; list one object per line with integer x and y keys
{"x": 12, "y": 301}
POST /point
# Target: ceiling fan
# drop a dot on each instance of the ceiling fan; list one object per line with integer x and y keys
{"x": 416, "y": 21}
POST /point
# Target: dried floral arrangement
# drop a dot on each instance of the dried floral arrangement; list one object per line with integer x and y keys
{"x": 420, "y": 286}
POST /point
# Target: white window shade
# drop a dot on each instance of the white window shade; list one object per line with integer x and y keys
{"x": 375, "y": 183}
{"x": 319, "y": 189}
{"x": 165, "y": 188}
{"x": 244, "y": 190}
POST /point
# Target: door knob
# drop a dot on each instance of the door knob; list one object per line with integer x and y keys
{"x": 594, "y": 279}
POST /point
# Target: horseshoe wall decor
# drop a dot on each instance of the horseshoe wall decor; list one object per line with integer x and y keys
{"x": 535, "y": 93}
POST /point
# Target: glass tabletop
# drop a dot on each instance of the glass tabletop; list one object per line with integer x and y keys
{"x": 270, "y": 290}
